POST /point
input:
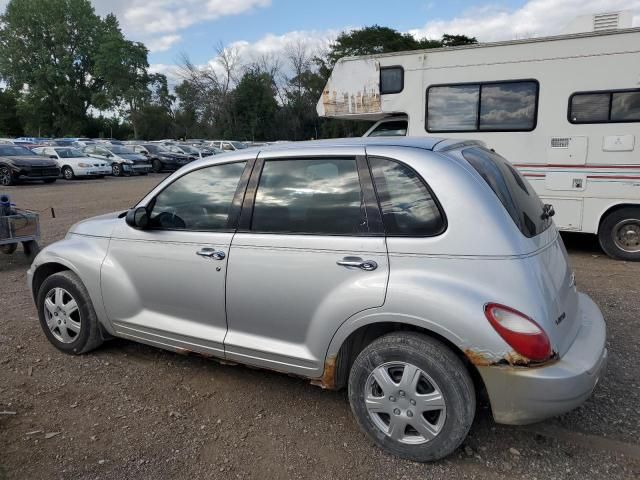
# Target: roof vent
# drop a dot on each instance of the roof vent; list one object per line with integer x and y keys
{"x": 606, "y": 21}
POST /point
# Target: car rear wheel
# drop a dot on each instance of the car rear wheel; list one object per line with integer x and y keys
{"x": 116, "y": 169}
{"x": 619, "y": 234}
{"x": 6, "y": 177}
{"x": 66, "y": 314}
{"x": 67, "y": 173}
{"x": 156, "y": 166}
{"x": 412, "y": 395}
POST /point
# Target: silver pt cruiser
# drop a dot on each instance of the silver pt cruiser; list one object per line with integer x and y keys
{"x": 413, "y": 272}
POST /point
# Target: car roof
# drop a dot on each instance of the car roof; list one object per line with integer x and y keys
{"x": 425, "y": 143}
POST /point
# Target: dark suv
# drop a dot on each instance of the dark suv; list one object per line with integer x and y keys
{"x": 19, "y": 163}
{"x": 161, "y": 158}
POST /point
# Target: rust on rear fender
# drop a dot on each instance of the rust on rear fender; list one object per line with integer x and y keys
{"x": 328, "y": 379}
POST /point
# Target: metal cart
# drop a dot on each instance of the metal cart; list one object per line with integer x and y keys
{"x": 19, "y": 226}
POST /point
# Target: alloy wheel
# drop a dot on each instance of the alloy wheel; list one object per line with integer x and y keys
{"x": 5, "y": 177}
{"x": 626, "y": 235}
{"x": 62, "y": 315}
{"x": 116, "y": 169}
{"x": 405, "y": 403}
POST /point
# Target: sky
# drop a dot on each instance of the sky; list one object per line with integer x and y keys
{"x": 171, "y": 28}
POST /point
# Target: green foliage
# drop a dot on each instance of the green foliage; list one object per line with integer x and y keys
{"x": 255, "y": 105}
{"x": 10, "y": 125}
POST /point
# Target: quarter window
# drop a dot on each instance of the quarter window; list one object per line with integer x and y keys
{"x": 605, "y": 107}
{"x": 496, "y": 106}
{"x": 396, "y": 128}
{"x": 408, "y": 207}
{"x": 199, "y": 201}
{"x": 311, "y": 197}
{"x": 391, "y": 80}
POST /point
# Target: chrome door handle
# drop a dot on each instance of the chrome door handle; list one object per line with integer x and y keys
{"x": 367, "y": 265}
{"x": 211, "y": 253}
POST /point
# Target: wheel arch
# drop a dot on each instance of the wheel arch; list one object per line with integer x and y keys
{"x": 613, "y": 208}
{"x": 44, "y": 271}
{"x": 346, "y": 346}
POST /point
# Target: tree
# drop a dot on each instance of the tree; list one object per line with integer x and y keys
{"x": 457, "y": 40}
{"x": 255, "y": 105}
{"x": 66, "y": 60}
{"x": 10, "y": 124}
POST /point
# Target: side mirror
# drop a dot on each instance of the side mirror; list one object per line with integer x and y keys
{"x": 53, "y": 157}
{"x": 109, "y": 155}
{"x": 138, "y": 218}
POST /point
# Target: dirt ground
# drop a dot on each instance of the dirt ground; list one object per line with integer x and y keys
{"x": 132, "y": 411}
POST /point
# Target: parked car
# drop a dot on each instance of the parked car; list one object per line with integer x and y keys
{"x": 123, "y": 160}
{"x": 161, "y": 157}
{"x": 18, "y": 163}
{"x": 228, "y": 145}
{"x": 184, "y": 150}
{"x": 359, "y": 263}
{"x": 208, "y": 151}
{"x": 75, "y": 163}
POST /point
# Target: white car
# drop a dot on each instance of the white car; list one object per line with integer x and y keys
{"x": 74, "y": 163}
{"x": 228, "y": 145}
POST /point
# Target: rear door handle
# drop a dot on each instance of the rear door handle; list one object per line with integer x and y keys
{"x": 208, "y": 252}
{"x": 357, "y": 262}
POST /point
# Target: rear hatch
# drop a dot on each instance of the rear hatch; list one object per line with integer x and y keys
{"x": 548, "y": 265}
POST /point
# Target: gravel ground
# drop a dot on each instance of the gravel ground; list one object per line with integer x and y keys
{"x": 132, "y": 411}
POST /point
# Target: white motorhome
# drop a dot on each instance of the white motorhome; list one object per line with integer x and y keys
{"x": 565, "y": 110}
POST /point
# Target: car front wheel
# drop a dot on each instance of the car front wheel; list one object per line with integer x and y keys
{"x": 66, "y": 314}
{"x": 412, "y": 395}
{"x": 157, "y": 166}
{"x": 67, "y": 173}
{"x": 6, "y": 177}
{"x": 116, "y": 169}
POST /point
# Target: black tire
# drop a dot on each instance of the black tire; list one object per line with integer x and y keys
{"x": 445, "y": 369}
{"x": 90, "y": 336}
{"x": 50, "y": 180}
{"x": 8, "y": 248}
{"x": 31, "y": 248}
{"x": 116, "y": 170}
{"x": 67, "y": 173}
{"x": 621, "y": 247}
{"x": 6, "y": 177}
{"x": 156, "y": 165}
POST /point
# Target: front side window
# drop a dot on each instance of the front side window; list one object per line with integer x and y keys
{"x": 408, "y": 207}
{"x": 491, "y": 106}
{"x": 200, "y": 200}
{"x": 605, "y": 107}
{"x": 512, "y": 189}
{"x": 396, "y": 128}
{"x": 391, "y": 80}
{"x": 320, "y": 196}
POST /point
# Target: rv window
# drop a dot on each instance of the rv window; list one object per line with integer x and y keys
{"x": 625, "y": 107}
{"x": 605, "y": 107}
{"x": 397, "y": 128}
{"x": 391, "y": 80}
{"x": 492, "y": 106}
{"x": 453, "y": 108}
{"x": 508, "y": 106}
{"x": 591, "y": 107}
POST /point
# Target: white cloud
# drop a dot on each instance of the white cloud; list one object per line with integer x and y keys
{"x": 534, "y": 18}
{"x": 158, "y": 23}
{"x": 168, "y": 70}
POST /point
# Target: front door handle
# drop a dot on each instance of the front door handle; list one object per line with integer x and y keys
{"x": 357, "y": 262}
{"x": 208, "y": 252}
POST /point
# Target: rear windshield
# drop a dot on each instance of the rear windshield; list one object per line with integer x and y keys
{"x": 513, "y": 190}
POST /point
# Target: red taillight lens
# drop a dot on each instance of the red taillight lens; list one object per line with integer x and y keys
{"x": 523, "y": 334}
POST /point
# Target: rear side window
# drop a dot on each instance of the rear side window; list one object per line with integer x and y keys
{"x": 408, "y": 206}
{"x": 319, "y": 196}
{"x": 513, "y": 190}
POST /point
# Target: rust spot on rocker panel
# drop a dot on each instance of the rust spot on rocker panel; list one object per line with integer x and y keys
{"x": 328, "y": 379}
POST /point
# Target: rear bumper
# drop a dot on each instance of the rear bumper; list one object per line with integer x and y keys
{"x": 521, "y": 395}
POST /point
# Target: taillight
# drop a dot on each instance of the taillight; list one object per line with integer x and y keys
{"x": 523, "y": 334}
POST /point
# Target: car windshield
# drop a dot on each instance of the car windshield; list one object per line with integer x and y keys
{"x": 154, "y": 148}
{"x": 69, "y": 153}
{"x": 239, "y": 145}
{"x": 118, "y": 150}
{"x": 14, "y": 151}
{"x": 189, "y": 149}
